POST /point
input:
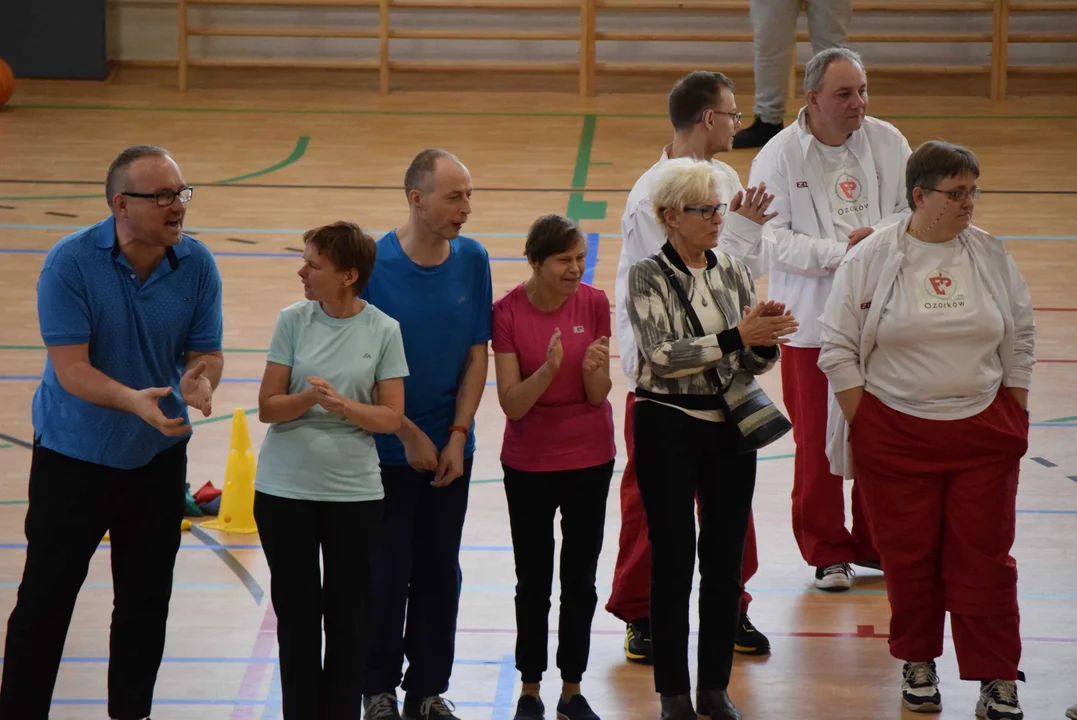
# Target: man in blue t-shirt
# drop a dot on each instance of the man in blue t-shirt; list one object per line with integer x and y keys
{"x": 436, "y": 284}
{"x": 130, "y": 312}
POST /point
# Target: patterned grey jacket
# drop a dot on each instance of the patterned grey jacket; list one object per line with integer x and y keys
{"x": 672, "y": 360}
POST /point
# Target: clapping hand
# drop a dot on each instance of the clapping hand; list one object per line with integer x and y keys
{"x": 597, "y": 355}
{"x": 765, "y": 326}
{"x": 752, "y": 204}
{"x": 144, "y": 404}
{"x": 554, "y": 352}
{"x": 327, "y": 396}
{"x": 196, "y": 389}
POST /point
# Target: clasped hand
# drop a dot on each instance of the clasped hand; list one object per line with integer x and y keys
{"x": 767, "y": 324}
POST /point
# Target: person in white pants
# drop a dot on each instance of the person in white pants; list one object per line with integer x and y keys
{"x": 774, "y": 25}
{"x": 837, "y": 175}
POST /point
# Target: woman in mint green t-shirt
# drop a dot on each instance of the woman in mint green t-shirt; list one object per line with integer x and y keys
{"x": 333, "y": 377}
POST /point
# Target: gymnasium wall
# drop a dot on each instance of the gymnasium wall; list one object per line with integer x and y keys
{"x": 145, "y": 30}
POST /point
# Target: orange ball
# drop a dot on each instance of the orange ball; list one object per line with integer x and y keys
{"x": 7, "y": 83}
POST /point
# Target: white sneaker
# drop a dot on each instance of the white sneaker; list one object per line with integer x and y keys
{"x": 920, "y": 687}
{"x": 834, "y": 578}
{"x": 998, "y": 701}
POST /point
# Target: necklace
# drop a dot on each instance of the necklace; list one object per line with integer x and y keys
{"x": 702, "y": 295}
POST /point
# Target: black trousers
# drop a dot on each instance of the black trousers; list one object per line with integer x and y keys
{"x": 72, "y": 504}
{"x": 417, "y": 582}
{"x": 679, "y": 458}
{"x": 533, "y": 499}
{"x": 306, "y": 595}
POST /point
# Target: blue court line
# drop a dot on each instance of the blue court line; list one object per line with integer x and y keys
{"x": 275, "y": 698}
{"x": 192, "y": 546}
{"x": 592, "y": 258}
{"x": 243, "y": 660}
{"x": 176, "y": 585}
{"x": 506, "y": 683}
{"x": 291, "y": 255}
{"x": 379, "y": 233}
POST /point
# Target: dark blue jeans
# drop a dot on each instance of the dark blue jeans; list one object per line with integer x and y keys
{"x": 416, "y": 583}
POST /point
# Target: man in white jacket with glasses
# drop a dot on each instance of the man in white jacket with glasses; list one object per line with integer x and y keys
{"x": 837, "y": 175}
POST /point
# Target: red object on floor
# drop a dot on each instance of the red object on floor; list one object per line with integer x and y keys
{"x": 206, "y": 493}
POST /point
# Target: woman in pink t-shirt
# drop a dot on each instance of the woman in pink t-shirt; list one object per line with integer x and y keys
{"x": 551, "y": 352}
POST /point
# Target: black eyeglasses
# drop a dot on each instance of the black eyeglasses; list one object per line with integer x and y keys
{"x": 707, "y": 211}
{"x": 959, "y": 194}
{"x": 167, "y": 197}
{"x": 735, "y": 114}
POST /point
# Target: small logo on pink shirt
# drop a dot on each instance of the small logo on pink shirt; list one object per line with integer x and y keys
{"x": 578, "y": 329}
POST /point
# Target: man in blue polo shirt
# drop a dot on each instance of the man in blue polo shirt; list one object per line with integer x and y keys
{"x": 130, "y": 311}
{"x": 436, "y": 284}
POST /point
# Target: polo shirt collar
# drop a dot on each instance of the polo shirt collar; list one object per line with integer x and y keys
{"x": 107, "y": 239}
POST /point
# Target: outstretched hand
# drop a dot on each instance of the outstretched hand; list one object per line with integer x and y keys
{"x": 752, "y": 203}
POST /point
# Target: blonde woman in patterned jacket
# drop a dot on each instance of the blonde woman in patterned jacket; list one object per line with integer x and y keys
{"x": 684, "y": 447}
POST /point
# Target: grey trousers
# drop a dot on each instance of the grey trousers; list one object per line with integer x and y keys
{"x": 774, "y": 24}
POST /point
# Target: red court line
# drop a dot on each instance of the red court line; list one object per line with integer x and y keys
{"x": 1036, "y": 309}
{"x": 1056, "y": 361}
{"x": 251, "y": 685}
{"x": 863, "y": 632}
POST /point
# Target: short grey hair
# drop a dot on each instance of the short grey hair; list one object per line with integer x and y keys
{"x": 816, "y": 67}
{"x": 420, "y": 173}
{"x": 117, "y": 171}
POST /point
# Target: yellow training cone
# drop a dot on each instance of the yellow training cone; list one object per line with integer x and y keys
{"x": 237, "y": 499}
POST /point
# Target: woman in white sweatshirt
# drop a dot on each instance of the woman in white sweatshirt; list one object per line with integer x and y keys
{"x": 928, "y": 341}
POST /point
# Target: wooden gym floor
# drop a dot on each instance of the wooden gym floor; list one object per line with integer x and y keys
{"x": 274, "y": 154}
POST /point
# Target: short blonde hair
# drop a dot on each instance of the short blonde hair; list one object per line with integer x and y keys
{"x": 684, "y": 182}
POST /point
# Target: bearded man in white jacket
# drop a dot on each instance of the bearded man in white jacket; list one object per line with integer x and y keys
{"x": 837, "y": 175}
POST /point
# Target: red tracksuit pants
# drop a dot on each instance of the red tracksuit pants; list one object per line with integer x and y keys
{"x": 630, "y": 597}
{"x": 942, "y": 497}
{"x": 819, "y": 496}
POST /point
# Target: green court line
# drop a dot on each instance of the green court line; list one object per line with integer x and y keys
{"x": 467, "y": 113}
{"x": 14, "y": 502}
{"x": 578, "y": 208}
{"x": 297, "y": 152}
{"x": 301, "y": 146}
{"x": 42, "y": 347}
{"x": 4, "y": 446}
{"x": 1062, "y": 420}
{"x": 222, "y": 418}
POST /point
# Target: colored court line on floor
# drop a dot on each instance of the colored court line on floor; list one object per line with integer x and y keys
{"x": 16, "y": 441}
{"x": 298, "y": 151}
{"x": 592, "y": 259}
{"x": 237, "y": 568}
{"x": 229, "y": 254}
{"x": 578, "y": 208}
{"x": 379, "y": 233}
{"x": 106, "y": 107}
{"x": 506, "y": 685}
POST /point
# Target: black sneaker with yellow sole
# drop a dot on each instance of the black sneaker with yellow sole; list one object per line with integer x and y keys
{"x": 748, "y": 640}
{"x": 638, "y": 642}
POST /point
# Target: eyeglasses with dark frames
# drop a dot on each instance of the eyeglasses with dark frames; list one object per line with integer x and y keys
{"x": 959, "y": 194}
{"x": 166, "y": 197}
{"x": 707, "y": 211}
